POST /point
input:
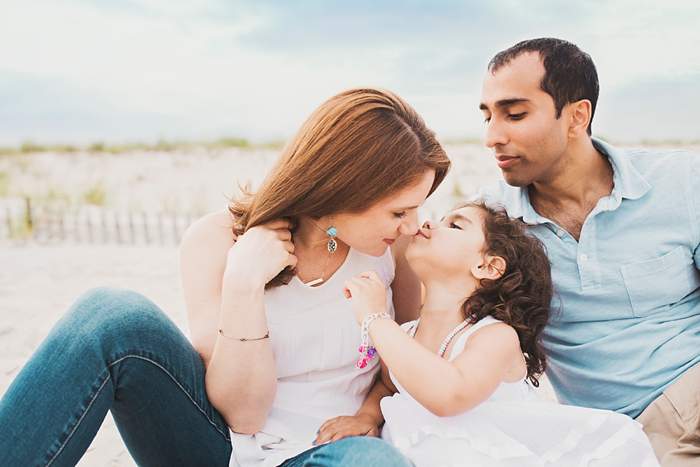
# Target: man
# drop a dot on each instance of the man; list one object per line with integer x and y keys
{"x": 622, "y": 230}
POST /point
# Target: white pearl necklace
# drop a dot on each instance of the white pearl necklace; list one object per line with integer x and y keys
{"x": 448, "y": 339}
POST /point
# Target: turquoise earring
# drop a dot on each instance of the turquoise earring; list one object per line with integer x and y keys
{"x": 332, "y": 244}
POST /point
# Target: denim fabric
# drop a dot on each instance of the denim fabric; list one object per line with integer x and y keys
{"x": 351, "y": 452}
{"x": 113, "y": 350}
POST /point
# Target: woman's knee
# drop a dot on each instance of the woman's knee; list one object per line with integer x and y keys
{"x": 114, "y": 314}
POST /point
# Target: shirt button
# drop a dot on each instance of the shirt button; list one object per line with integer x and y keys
{"x": 583, "y": 258}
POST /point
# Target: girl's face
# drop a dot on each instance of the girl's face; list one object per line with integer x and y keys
{"x": 452, "y": 248}
{"x": 373, "y": 230}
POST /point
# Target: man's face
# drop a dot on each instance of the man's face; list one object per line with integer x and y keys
{"x": 527, "y": 139}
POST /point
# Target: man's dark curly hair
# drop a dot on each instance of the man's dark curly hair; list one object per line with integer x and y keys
{"x": 522, "y": 296}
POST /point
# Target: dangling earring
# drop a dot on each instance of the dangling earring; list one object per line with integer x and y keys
{"x": 332, "y": 244}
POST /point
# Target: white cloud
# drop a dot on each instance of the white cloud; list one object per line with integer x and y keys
{"x": 193, "y": 69}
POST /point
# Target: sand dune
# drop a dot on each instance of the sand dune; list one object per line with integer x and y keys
{"x": 39, "y": 282}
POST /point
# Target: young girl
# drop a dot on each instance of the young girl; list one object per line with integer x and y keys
{"x": 462, "y": 374}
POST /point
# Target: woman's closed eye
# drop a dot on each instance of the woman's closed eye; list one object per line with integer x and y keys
{"x": 455, "y": 226}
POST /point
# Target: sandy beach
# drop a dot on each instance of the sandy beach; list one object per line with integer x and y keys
{"x": 38, "y": 282}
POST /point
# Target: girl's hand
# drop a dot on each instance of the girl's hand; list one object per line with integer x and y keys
{"x": 367, "y": 293}
{"x": 338, "y": 428}
{"x": 259, "y": 254}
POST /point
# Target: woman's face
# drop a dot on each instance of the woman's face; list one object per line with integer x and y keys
{"x": 452, "y": 248}
{"x": 373, "y": 230}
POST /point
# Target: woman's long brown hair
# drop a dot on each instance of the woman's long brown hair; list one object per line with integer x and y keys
{"x": 356, "y": 149}
{"x": 522, "y": 296}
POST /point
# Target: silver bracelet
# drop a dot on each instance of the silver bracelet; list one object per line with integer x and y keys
{"x": 244, "y": 339}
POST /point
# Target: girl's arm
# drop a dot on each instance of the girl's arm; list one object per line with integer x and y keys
{"x": 448, "y": 388}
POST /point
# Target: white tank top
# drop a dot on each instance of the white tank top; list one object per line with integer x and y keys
{"x": 314, "y": 337}
{"x": 518, "y": 390}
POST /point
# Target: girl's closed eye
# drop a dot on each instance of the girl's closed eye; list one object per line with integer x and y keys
{"x": 455, "y": 226}
{"x": 400, "y": 215}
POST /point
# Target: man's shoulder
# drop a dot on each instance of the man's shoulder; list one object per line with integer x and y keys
{"x": 659, "y": 167}
{"x": 661, "y": 161}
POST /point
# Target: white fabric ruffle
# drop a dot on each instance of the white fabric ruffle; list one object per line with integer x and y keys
{"x": 516, "y": 433}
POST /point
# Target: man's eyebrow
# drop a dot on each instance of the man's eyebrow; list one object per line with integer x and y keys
{"x": 504, "y": 103}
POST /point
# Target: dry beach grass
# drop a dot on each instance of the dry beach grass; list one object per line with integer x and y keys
{"x": 39, "y": 281}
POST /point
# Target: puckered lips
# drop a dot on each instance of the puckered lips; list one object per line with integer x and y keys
{"x": 420, "y": 234}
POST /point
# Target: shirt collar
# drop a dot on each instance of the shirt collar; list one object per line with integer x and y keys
{"x": 627, "y": 183}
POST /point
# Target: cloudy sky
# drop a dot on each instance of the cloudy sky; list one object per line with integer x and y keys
{"x": 81, "y": 71}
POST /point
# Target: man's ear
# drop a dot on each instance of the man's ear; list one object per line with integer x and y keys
{"x": 492, "y": 267}
{"x": 580, "y": 115}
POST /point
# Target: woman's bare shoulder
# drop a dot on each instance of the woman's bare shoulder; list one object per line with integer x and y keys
{"x": 214, "y": 227}
{"x": 206, "y": 242}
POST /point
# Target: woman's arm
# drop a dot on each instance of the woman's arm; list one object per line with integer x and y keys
{"x": 448, "y": 388}
{"x": 406, "y": 287}
{"x": 240, "y": 378}
{"x": 366, "y": 421}
{"x": 382, "y": 388}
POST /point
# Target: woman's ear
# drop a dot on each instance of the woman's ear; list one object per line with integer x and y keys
{"x": 492, "y": 267}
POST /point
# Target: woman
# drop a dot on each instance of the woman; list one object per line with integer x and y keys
{"x": 273, "y": 340}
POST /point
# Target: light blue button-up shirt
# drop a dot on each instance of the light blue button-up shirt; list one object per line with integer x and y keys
{"x": 625, "y": 320}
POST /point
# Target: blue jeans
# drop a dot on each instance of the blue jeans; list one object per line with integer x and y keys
{"x": 351, "y": 452}
{"x": 115, "y": 350}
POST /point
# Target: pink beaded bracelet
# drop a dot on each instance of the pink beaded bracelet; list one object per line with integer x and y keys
{"x": 368, "y": 351}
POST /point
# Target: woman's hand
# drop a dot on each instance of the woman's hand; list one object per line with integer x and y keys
{"x": 338, "y": 428}
{"x": 260, "y": 253}
{"x": 367, "y": 293}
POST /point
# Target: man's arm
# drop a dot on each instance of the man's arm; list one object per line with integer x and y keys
{"x": 695, "y": 208}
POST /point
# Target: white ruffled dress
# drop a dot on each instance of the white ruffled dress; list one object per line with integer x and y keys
{"x": 513, "y": 428}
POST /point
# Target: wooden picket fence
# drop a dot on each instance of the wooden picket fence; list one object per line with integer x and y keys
{"x": 26, "y": 220}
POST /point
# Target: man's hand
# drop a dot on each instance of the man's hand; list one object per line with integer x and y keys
{"x": 338, "y": 428}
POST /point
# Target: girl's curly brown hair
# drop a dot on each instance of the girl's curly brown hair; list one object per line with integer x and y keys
{"x": 522, "y": 296}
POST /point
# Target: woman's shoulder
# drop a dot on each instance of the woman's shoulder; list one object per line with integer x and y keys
{"x": 216, "y": 225}
{"x": 209, "y": 234}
